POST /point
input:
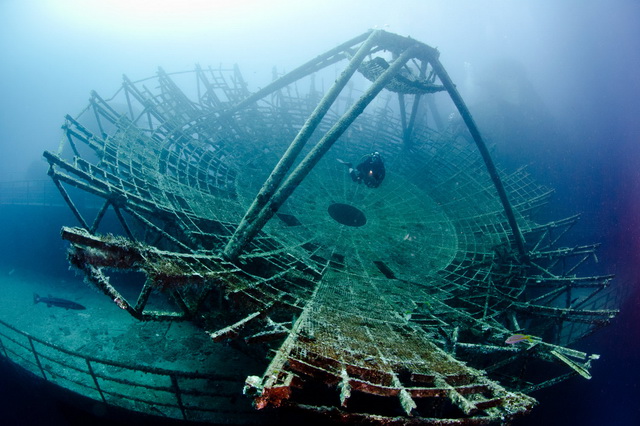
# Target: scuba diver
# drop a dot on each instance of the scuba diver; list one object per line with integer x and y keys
{"x": 369, "y": 171}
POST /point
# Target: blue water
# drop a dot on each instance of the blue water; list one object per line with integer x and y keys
{"x": 576, "y": 67}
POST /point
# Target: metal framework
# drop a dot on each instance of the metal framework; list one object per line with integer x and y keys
{"x": 223, "y": 199}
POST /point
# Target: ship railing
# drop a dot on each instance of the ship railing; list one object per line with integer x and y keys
{"x": 30, "y": 193}
{"x": 185, "y": 395}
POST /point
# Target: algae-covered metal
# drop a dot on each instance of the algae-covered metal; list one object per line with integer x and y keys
{"x": 223, "y": 197}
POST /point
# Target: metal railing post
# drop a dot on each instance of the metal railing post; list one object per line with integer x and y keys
{"x": 6, "y": 355}
{"x": 35, "y": 355}
{"x": 176, "y": 389}
{"x": 95, "y": 380}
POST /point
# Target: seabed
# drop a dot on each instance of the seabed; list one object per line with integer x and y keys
{"x": 235, "y": 220}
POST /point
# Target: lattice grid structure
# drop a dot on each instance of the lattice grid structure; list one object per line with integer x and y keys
{"x": 387, "y": 304}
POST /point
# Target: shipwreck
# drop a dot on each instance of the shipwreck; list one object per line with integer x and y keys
{"x": 390, "y": 305}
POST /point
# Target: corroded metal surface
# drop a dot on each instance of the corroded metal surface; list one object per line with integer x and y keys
{"x": 223, "y": 198}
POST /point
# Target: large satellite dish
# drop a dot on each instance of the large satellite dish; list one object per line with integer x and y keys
{"x": 436, "y": 297}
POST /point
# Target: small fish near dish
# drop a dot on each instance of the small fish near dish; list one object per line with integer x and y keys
{"x": 517, "y": 338}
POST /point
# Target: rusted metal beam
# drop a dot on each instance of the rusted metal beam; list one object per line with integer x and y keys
{"x": 408, "y": 131}
{"x": 484, "y": 152}
{"x": 68, "y": 200}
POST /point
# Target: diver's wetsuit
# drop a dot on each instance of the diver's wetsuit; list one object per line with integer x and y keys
{"x": 369, "y": 171}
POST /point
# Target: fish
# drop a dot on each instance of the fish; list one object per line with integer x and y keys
{"x": 517, "y": 338}
{"x": 61, "y": 303}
